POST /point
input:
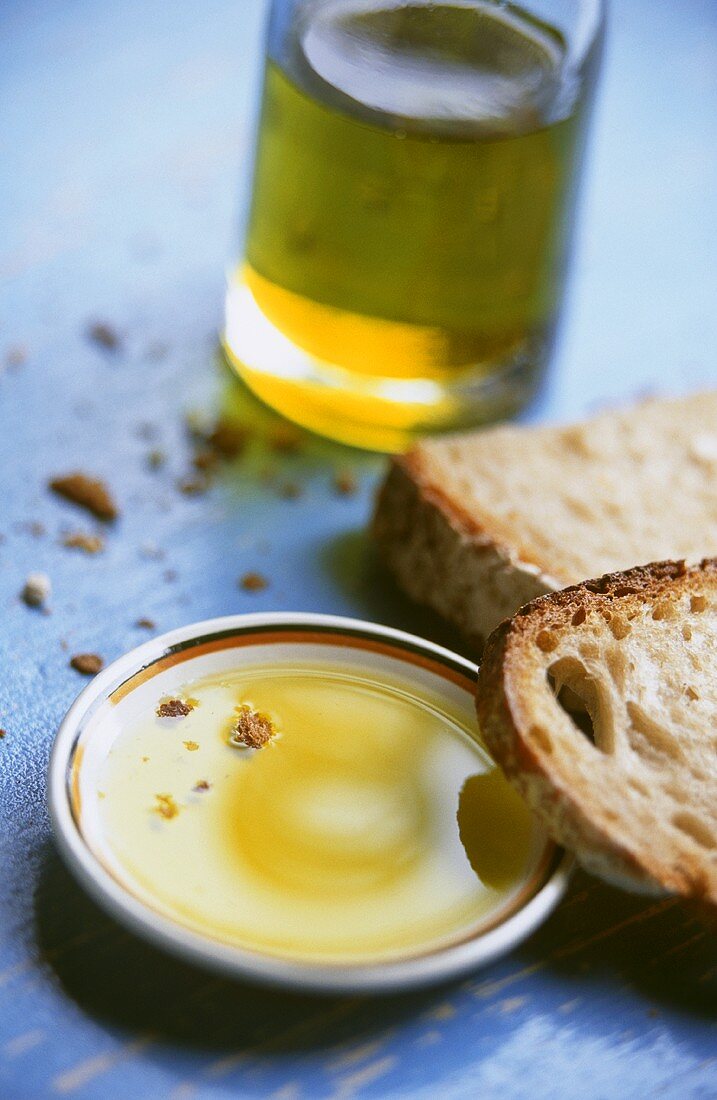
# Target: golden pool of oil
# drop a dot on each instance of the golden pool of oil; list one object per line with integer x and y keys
{"x": 373, "y": 825}
{"x": 410, "y": 220}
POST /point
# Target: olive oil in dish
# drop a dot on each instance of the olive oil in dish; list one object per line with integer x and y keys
{"x": 314, "y": 814}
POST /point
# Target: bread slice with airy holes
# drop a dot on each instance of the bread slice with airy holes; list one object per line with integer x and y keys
{"x": 635, "y": 796}
{"x": 476, "y": 525}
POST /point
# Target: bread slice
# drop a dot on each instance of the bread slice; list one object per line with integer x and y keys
{"x": 476, "y": 525}
{"x": 636, "y": 798}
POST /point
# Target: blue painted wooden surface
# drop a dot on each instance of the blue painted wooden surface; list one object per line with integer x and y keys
{"x": 124, "y": 142}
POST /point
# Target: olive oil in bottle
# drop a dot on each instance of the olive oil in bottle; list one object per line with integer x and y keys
{"x": 411, "y": 217}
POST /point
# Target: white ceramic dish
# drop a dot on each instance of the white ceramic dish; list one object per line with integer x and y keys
{"x": 159, "y": 667}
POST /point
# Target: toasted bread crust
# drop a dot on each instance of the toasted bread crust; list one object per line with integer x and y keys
{"x": 444, "y": 557}
{"x": 476, "y": 525}
{"x": 636, "y": 806}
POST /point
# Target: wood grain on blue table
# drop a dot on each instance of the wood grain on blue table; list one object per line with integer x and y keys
{"x": 125, "y": 141}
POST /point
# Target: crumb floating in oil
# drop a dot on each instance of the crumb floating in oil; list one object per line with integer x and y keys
{"x": 251, "y": 730}
{"x": 174, "y": 708}
{"x": 191, "y": 746}
{"x": 166, "y": 806}
{"x": 202, "y": 785}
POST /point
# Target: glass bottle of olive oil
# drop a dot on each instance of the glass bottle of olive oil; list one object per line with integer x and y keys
{"x": 411, "y": 216}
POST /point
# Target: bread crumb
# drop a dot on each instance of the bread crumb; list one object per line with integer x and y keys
{"x": 224, "y": 440}
{"x": 80, "y": 540}
{"x": 3, "y": 733}
{"x": 205, "y": 460}
{"x": 156, "y": 458}
{"x": 345, "y": 483}
{"x": 579, "y": 617}
{"x": 193, "y": 486}
{"x": 191, "y": 746}
{"x": 33, "y": 527}
{"x": 290, "y": 490}
{"x": 698, "y": 603}
{"x": 251, "y": 730}
{"x": 151, "y": 551}
{"x": 253, "y": 582}
{"x": 16, "y": 356}
{"x": 166, "y": 806}
{"x": 99, "y": 332}
{"x": 146, "y": 624}
{"x": 157, "y": 351}
{"x": 89, "y": 664}
{"x": 87, "y": 492}
{"x": 36, "y": 590}
{"x": 227, "y": 438}
{"x": 174, "y": 708}
{"x": 620, "y": 626}
{"x": 285, "y": 438}
{"x": 546, "y": 640}
{"x": 147, "y": 431}
{"x": 663, "y": 609}
{"x": 202, "y": 785}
